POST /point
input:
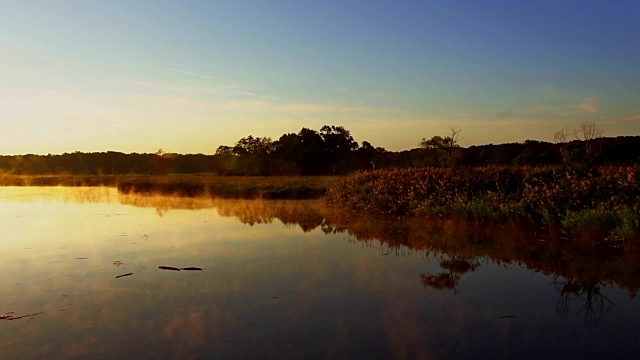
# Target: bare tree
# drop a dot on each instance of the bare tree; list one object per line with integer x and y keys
{"x": 587, "y": 131}
{"x": 454, "y": 137}
{"x": 583, "y": 154}
{"x": 560, "y": 137}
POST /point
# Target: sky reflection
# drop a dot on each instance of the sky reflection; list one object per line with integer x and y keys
{"x": 338, "y": 286}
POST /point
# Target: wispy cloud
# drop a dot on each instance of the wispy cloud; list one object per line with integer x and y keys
{"x": 374, "y": 94}
{"x": 301, "y": 108}
{"x": 160, "y": 86}
{"x": 515, "y": 121}
{"x": 164, "y": 103}
{"x": 220, "y": 84}
{"x": 632, "y": 118}
{"x": 559, "y": 102}
{"x": 569, "y": 108}
{"x": 194, "y": 74}
{"x": 170, "y": 88}
{"x": 589, "y": 105}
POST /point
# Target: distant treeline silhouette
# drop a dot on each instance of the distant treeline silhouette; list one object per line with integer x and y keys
{"x": 332, "y": 150}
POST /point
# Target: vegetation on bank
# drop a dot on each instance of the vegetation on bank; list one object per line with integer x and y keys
{"x": 560, "y": 184}
{"x": 332, "y": 151}
{"x": 602, "y": 202}
{"x": 237, "y": 187}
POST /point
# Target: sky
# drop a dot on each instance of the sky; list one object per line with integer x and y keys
{"x": 188, "y": 76}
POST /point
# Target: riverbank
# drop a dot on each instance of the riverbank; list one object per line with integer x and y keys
{"x": 238, "y": 187}
{"x": 601, "y": 204}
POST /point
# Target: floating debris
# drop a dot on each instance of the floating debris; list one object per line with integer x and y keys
{"x": 7, "y": 316}
{"x": 168, "y": 268}
{"x": 123, "y": 275}
{"x": 178, "y": 269}
{"x": 10, "y": 316}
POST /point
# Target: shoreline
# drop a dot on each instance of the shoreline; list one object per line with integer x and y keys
{"x": 191, "y": 185}
{"x": 601, "y": 205}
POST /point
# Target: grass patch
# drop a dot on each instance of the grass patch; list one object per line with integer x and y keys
{"x": 233, "y": 187}
{"x": 603, "y": 201}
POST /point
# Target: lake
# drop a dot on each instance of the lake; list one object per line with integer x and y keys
{"x": 81, "y": 278}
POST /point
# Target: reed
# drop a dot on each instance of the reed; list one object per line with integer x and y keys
{"x": 603, "y": 201}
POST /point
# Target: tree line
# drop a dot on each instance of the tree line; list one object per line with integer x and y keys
{"x": 332, "y": 150}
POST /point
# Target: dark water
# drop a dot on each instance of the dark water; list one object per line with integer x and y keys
{"x": 293, "y": 280}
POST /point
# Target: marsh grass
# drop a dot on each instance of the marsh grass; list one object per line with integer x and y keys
{"x": 231, "y": 187}
{"x": 602, "y": 203}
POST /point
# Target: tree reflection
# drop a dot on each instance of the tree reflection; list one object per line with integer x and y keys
{"x": 454, "y": 268}
{"x": 459, "y": 244}
{"x": 593, "y": 303}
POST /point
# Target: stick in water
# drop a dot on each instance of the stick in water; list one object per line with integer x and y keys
{"x": 178, "y": 269}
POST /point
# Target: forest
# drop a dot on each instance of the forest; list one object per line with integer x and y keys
{"x": 330, "y": 151}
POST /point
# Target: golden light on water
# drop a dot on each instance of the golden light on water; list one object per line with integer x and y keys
{"x": 82, "y": 277}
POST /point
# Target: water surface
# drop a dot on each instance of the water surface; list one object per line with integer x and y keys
{"x": 293, "y": 279}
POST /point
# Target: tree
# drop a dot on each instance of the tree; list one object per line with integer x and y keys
{"x": 254, "y": 146}
{"x": 226, "y": 160}
{"x": 339, "y": 145}
{"x": 584, "y": 151}
{"x": 313, "y": 158}
{"x": 589, "y": 133}
{"x": 224, "y": 150}
{"x": 449, "y": 144}
{"x": 161, "y": 162}
{"x": 302, "y": 153}
{"x": 288, "y": 154}
{"x": 254, "y": 154}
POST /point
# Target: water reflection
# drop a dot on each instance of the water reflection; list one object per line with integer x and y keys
{"x": 454, "y": 269}
{"x": 302, "y": 280}
{"x": 459, "y": 246}
{"x": 307, "y": 214}
{"x": 593, "y": 304}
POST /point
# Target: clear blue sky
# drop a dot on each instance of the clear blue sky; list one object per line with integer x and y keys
{"x": 188, "y": 76}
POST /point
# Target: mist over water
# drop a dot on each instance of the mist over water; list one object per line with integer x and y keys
{"x": 294, "y": 279}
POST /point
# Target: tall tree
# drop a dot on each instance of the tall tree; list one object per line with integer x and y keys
{"x": 313, "y": 158}
{"x": 254, "y": 154}
{"x": 339, "y": 145}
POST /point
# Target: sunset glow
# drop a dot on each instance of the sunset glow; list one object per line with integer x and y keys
{"x": 189, "y": 76}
